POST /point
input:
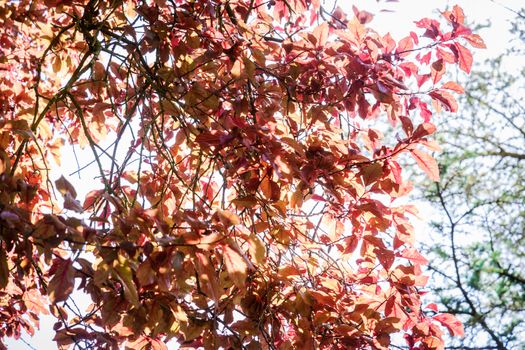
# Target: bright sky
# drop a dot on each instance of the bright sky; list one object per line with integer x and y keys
{"x": 398, "y": 23}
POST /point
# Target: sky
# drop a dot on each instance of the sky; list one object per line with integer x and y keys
{"x": 399, "y": 22}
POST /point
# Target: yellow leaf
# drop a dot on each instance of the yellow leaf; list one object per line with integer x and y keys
{"x": 180, "y": 317}
{"x": 125, "y": 275}
{"x": 237, "y": 69}
{"x": 228, "y": 218}
{"x": 257, "y": 249}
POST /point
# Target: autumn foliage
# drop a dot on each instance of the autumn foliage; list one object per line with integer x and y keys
{"x": 248, "y": 197}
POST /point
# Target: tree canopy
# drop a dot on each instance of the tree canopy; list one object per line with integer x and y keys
{"x": 249, "y": 157}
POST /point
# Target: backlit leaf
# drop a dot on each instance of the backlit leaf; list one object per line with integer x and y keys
{"x": 454, "y": 326}
{"x": 64, "y": 186}
{"x": 464, "y": 57}
{"x": 427, "y": 163}
{"x": 235, "y": 265}
{"x": 61, "y": 284}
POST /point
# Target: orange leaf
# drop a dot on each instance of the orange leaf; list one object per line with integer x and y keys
{"x": 414, "y": 256}
{"x": 454, "y": 87}
{"x": 423, "y": 130}
{"x": 235, "y": 265}
{"x": 427, "y": 163}
{"x": 464, "y": 58}
{"x": 475, "y": 40}
{"x": 91, "y": 198}
{"x": 454, "y": 326}
{"x": 371, "y": 173}
{"x": 228, "y": 218}
{"x": 207, "y": 276}
{"x": 320, "y": 34}
{"x": 257, "y": 249}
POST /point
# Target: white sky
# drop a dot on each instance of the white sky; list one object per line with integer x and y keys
{"x": 398, "y": 23}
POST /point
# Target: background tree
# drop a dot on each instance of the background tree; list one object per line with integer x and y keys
{"x": 246, "y": 196}
{"x": 480, "y": 268}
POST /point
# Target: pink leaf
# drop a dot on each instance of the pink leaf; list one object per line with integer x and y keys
{"x": 414, "y": 256}
{"x": 464, "y": 58}
{"x": 475, "y": 40}
{"x": 427, "y": 163}
{"x": 432, "y": 307}
{"x": 446, "y": 99}
{"x": 454, "y": 326}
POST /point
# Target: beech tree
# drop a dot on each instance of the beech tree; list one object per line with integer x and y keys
{"x": 248, "y": 195}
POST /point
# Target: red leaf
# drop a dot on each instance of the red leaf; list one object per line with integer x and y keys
{"x": 425, "y": 113}
{"x": 4, "y": 269}
{"x": 212, "y": 138}
{"x": 454, "y": 326}
{"x": 431, "y": 26}
{"x": 421, "y": 79}
{"x": 464, "y": 58}
{"x": 408, "y": 127}
{"x": 395, "y": 169}
{"x": 91, "y": 198}
{"x": 423, "y": 130}
{"x": 446, "y": 99}
{"x": 432, "y": 307}
{"x": 61, "y": 285}
{"x": 425, "y": 59}
{"x": 437, "y": 70}
{"x": 455, "y": 16}
{"x": 393, "y": 309}
{"x": 427, "y": 163}
{"x": 386, "y": 257}
{"x": 157, "y": 344}
{"x": 414, "y": 37}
